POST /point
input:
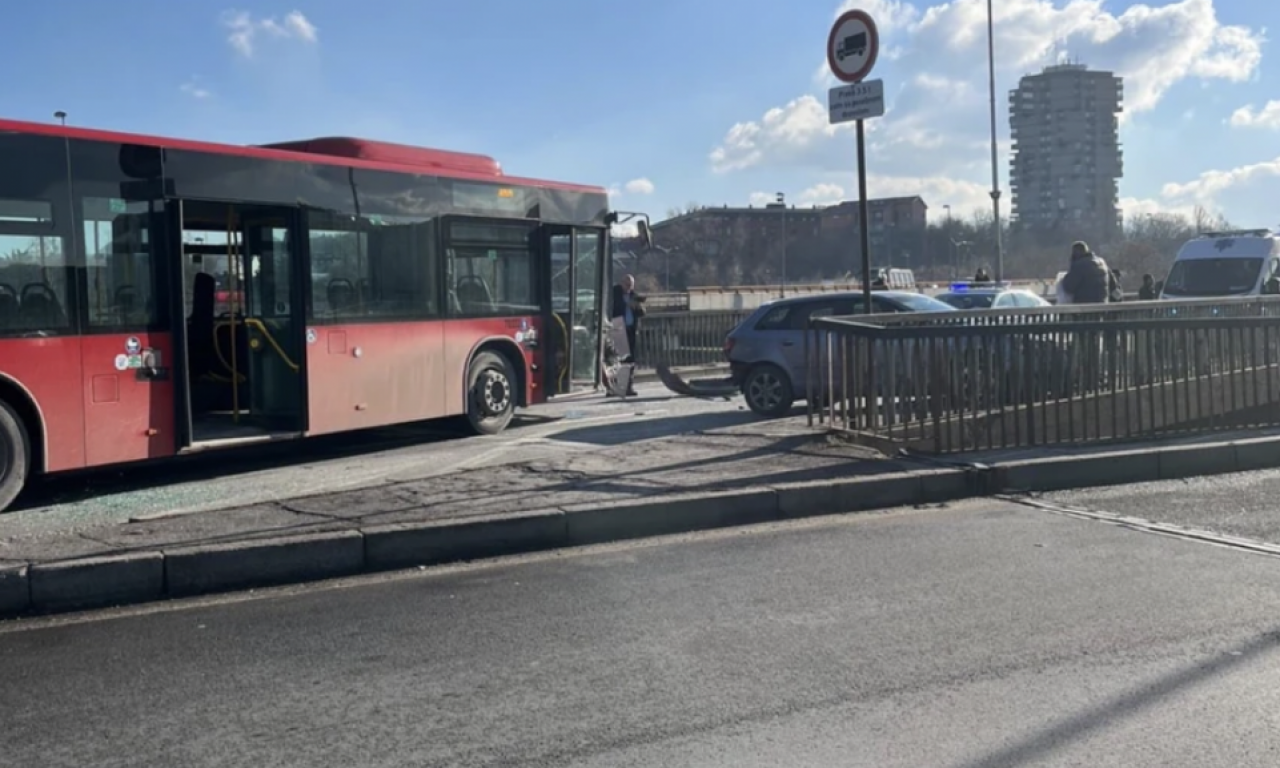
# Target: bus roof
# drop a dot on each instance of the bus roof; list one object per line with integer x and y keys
{"x": 395, "y": 154}
{"x": 339, "y": 151}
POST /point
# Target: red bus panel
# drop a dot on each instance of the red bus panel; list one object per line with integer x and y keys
{"x": 127, "y": 416}
{"x": 463, "y": 337}
{"x": 48, "y": 369}
{"x": 372, "y": 374}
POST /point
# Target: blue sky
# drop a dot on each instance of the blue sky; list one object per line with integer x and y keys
{"x": 670, "y": 101}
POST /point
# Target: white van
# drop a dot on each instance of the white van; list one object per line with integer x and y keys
{"x": 1224, "y": 264}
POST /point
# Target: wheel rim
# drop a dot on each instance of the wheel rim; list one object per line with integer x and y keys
{"x": 765, "y": 390}
{"x": 493, "y": 392}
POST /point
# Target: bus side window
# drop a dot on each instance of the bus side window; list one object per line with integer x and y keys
{"x": 119, "y": 265}
{"x": 33, "y": 270}
{"x": 376, "y": 268}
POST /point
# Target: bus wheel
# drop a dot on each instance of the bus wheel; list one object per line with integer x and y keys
{"x": 491, "y": 396}
{"x": 15, "y": 451}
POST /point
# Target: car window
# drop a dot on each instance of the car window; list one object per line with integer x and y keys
{"x": 804, "y": 312}
{"x": 1004, "y": 301}
{"x": 776, "y": 318}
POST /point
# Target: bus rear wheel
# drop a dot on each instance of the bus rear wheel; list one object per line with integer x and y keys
{"x": 491, "y": 393}
{"x": 15, "y": 456}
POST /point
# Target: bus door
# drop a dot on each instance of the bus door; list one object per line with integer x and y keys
{"x": 578, "y": 308}
{"x": 128, "y": 354}
{"x": 245, "y": 323}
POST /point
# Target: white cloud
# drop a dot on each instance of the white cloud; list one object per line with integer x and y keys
{"x": 1249, "y": 117}
{"x": 195, "y": 91}
{"x": 244, "y": 29}
{"x": 1208, "y": 185}
{"x": 824, "y": 193}
{"x": 937, "y": 123}
{"x": 641, "y": 186}
{"x": 761, "y": 198}
{"x": 1134, "y": 208}
{"x": 783, "y": 135}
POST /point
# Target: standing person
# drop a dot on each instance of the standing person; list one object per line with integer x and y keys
{"x": 1114, "y": 287}
{"x": 1148, "y": 290}
{"x": 982, "y": 276}
{"x": 1088, "y": 280}
{"x": 626, "y": 309}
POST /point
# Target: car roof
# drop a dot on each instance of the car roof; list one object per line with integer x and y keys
{"x": 789, "y": 300}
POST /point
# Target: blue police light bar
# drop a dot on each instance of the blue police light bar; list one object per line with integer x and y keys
{"x": 967, "y": 285}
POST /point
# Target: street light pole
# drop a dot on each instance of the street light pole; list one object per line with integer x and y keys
{"x": 782, "y": 288}
{"x": 995, "y": 167}
{"x": 951, "y": 249}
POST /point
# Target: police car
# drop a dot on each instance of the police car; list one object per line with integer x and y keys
{"x": 971, "y": 295}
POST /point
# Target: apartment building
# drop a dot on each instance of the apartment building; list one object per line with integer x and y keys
{"x": 1066, "y": 160}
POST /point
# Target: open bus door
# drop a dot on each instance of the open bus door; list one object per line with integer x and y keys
{"x": 244, "y": 330}
{"x": 578, "y": 307}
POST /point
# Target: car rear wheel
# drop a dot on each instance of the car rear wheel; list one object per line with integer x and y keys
{"x": 15, "y": 456}
{"x": 767, "y": 390}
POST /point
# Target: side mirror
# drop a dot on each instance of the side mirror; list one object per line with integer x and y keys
{"x": 646, "y": 234}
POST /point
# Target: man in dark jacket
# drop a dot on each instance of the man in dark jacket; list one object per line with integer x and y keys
{"x": 1088, "y": 279}
{"x": 1148, "y": 290}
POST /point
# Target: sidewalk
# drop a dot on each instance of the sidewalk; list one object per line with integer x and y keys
{"x": 588, "y": 484}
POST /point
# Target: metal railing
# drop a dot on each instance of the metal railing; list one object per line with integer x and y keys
{"x": 679, "y": 339}
{"x": 951, "y": 382}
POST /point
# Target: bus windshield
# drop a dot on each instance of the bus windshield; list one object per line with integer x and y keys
{"x": 1213, "y": 277}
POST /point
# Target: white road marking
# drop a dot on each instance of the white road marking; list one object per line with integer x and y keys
{"x": 1256, "y": 546}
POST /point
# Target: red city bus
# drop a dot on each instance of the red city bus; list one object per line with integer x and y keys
{"x": 159, "y": 297}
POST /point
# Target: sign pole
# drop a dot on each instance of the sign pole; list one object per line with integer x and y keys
{"x": 864, "y": 235}
{"x": 852, "y": 48}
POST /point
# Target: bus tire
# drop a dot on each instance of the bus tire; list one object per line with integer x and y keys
{"x": 491, "y": 393}
{"x": 15, "y": 456}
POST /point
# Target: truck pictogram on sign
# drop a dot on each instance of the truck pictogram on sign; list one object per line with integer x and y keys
{"x": 853, "y": 45}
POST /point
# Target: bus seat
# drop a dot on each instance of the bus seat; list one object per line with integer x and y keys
{"x": 474, "y": 295}
{"x": 39, "y": 308}
{"x": 200, "y": 351}
{"x": 341, "y": 295}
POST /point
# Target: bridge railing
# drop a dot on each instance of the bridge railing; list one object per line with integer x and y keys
{"x": 951, "y": 382}
{"x": 686, "y": 338}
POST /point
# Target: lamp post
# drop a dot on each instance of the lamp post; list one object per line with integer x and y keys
{"x": 951, "y": 248}
{"x": 782, "y": 287}
{"x": 60, "y": 115}
{"x": 995, "y": 168}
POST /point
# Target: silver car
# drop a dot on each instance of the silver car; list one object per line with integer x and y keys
{"x": 766, "y": 351}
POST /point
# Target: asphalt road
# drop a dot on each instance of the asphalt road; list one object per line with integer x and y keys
{"x": 219, "y": 480}
{"x": 1242, "y": 504}
{"x": 985, "y": 633}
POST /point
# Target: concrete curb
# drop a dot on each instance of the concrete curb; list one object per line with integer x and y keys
{"x": 135, "y": 577}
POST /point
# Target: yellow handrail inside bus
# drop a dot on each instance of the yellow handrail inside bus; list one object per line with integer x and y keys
{"x": 564, "y": 331}
{"x": 252, "y": 322}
